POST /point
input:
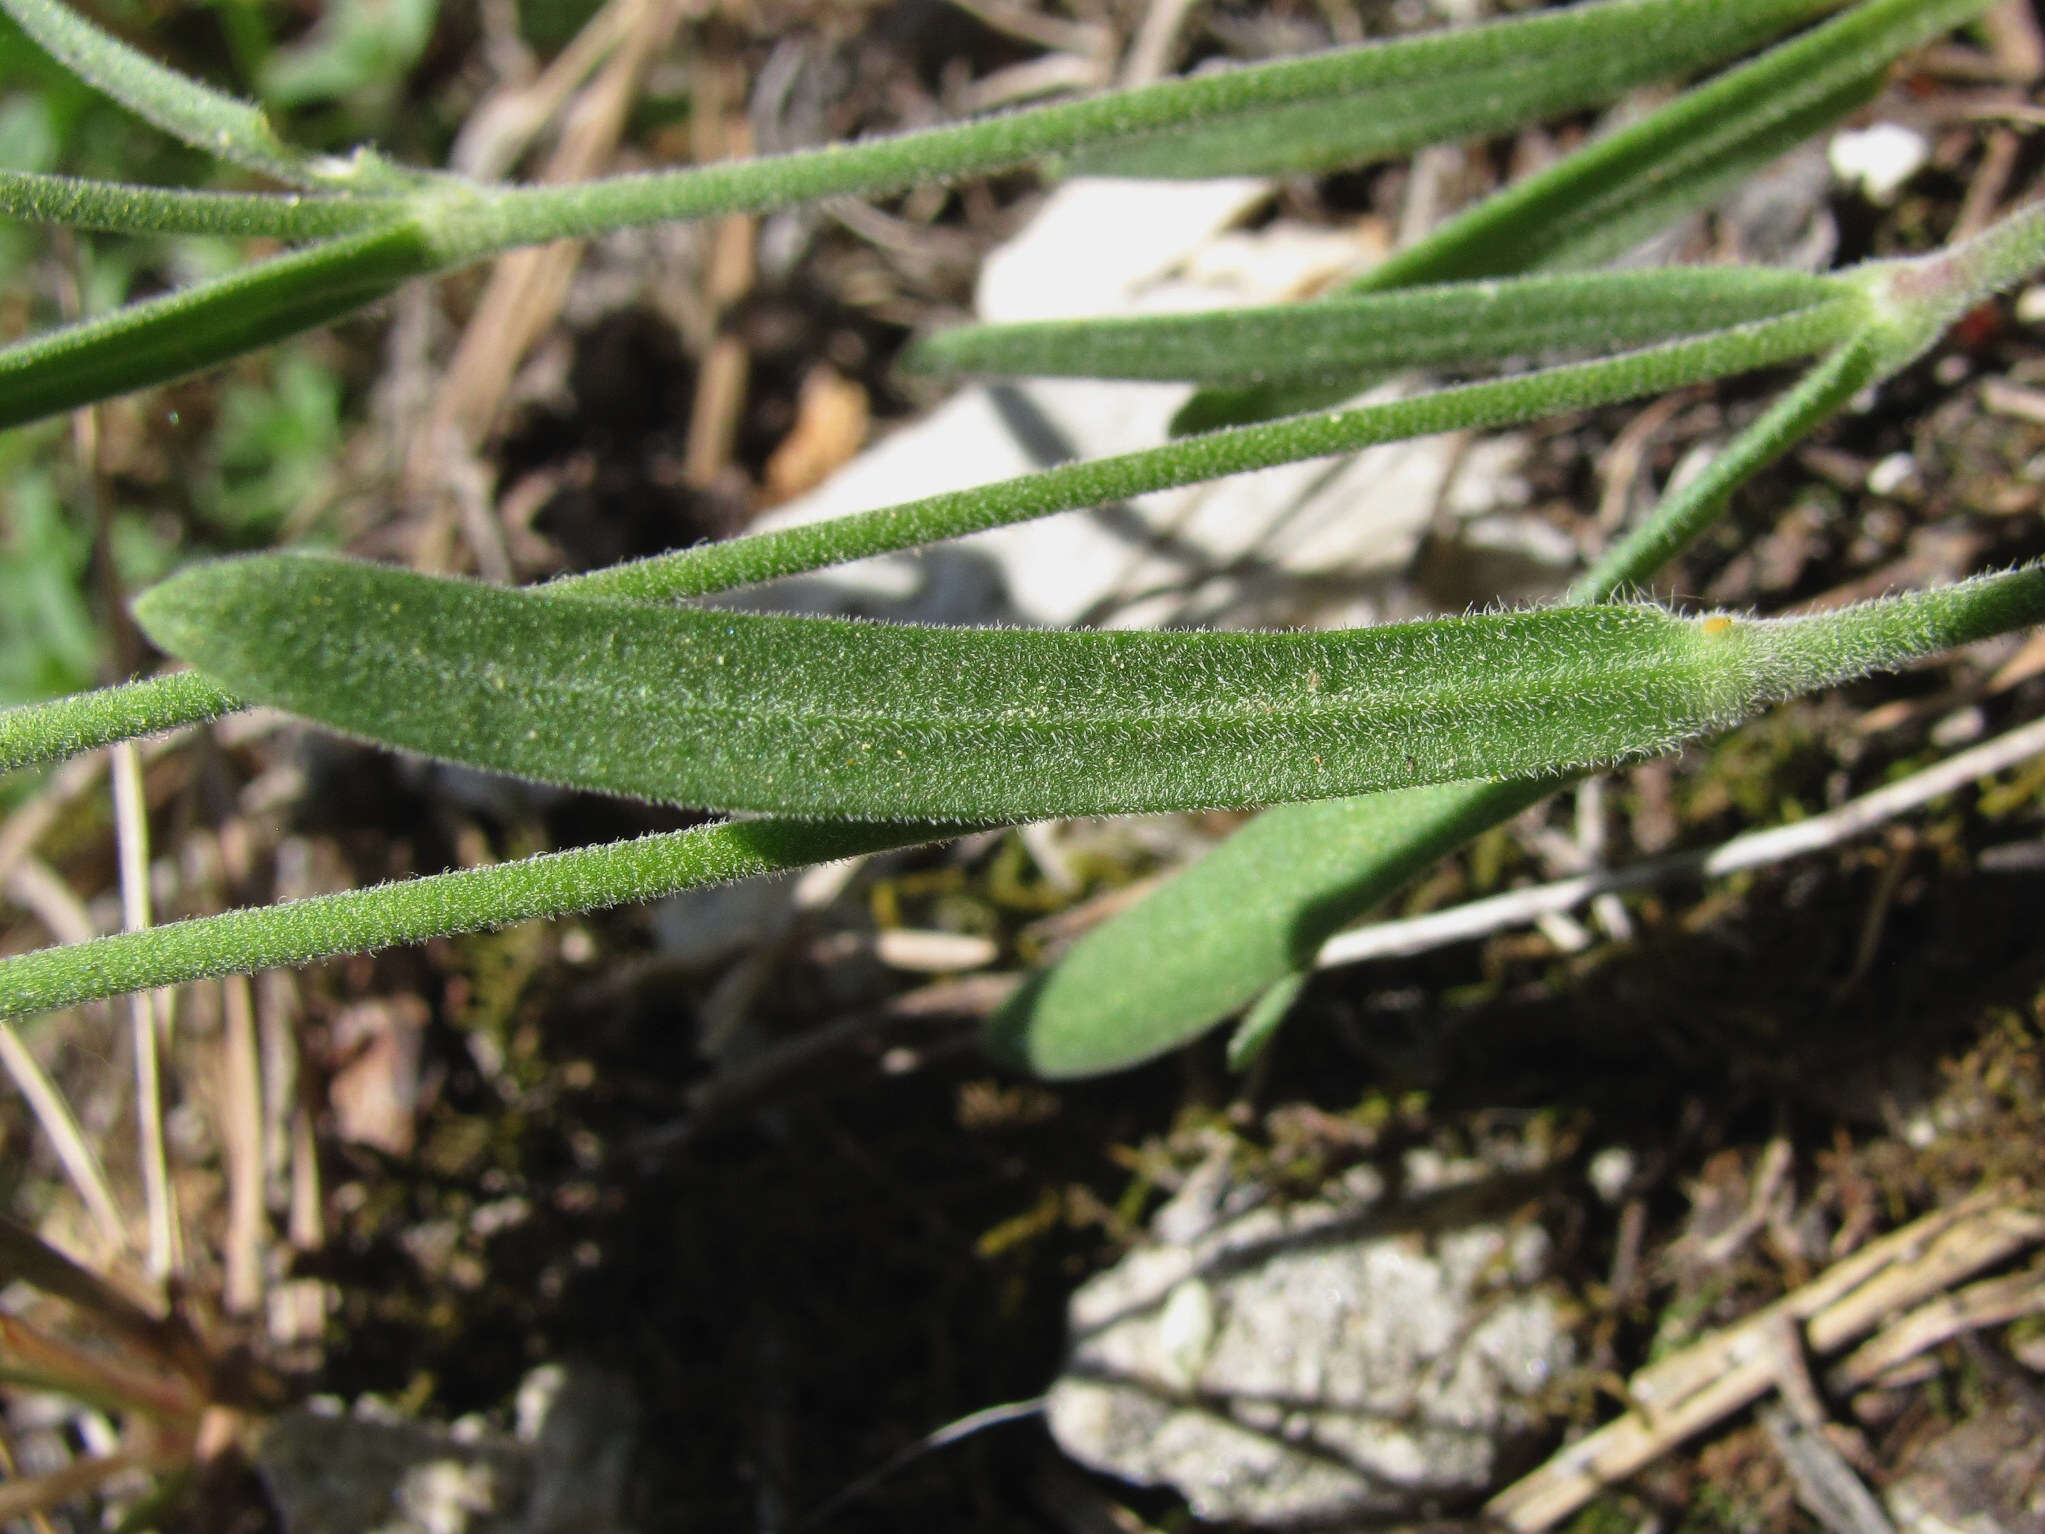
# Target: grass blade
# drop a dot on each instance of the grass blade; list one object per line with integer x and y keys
{"x": 813, "y": 716}
{"x": 183, "y": 332}
{"x": 1451, "y": 325}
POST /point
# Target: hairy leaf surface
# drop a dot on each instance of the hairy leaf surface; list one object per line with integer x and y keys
{"x": 1449, "y": 325}
{"x": 812, "y": 716}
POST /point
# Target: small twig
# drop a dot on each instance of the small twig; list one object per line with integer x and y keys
{"x": 2014, "y": 34}
{"x": 302, "y": 1315}
{"x": 499, "y": 130}
{"x": 1992, "y": 1302}
{"x": 1027, "y": 23}
{"x": 131, "y": 829}
{"x": 1619, "y": 467}
{"x": 1988, "y": 183}
{"x": 31, "y": 1494}
{"x": 1769, "y": 1177}
{"x": 522, "y": 299}
{"x": 1518, "y": 908}
{"x": 1825, "y": 1484}
{"x": 38, "y": 1520}
{"x": 27, "y": 1258}
{"x": 1157, "y": 40}
{"x": 1706, "y": 1382}
{"x": 720, "y": 396}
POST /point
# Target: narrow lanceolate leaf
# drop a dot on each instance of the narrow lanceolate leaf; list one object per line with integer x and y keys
{"x": 1451, "y": 325}
{"x": 48, "y": 732}
{"x": 1217, "y": 935}
{"x": 1476, "y": 406}
{"x": 1243, "y": 920}
{"x": 204, "y": 118}
{"x": 1452, "y": 82}
{"x": 1464, "y": 82}
{"x": 183, "y": 332}
{"x": 78, "y": 204}
{"x": 1602, "y": 199}
{"x": 811, "y": 716}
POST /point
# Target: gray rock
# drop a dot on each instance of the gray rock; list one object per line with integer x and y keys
{"x": 1350, "y": 1356}
{"x": 367, "y": 1472}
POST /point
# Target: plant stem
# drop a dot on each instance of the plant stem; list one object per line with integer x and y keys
{"x": 1497, "y": 402}
{"x": 42, "y": 732}
{"x": 1680, "y": 517}
{"x": 206, "y": 119}
{"x": 471, "y": 900}
{"x": 1914, "y": 302}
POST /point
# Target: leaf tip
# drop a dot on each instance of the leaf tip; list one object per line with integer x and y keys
{"x": 197, "y": 604}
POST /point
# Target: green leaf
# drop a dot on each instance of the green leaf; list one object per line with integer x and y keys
{"x": 183, "y": 332}
{"x": 739, "y": 561}
{"x": 1262, "y": 1020}
{"x": 204, "y": 118}
{"x": 154, "y": 210}
{"x": 1100, "y": 481}
{"x": 1498, "y": 74}
{"x": 1604, "y": 198}
{"x": 1237, "y": 926}
{"x": 814, "y": 716}
{"x": 1452, "y": 325}
{"x": 1461, "y": 83}
{"x": 1218, "y": 935}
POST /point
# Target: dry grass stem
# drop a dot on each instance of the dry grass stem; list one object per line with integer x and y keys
{"x": 241, "y": 1140}
{"x": 1992, "y": 1302}
{"x": 88, "y": 1178}
{"x": 38, "y": 889}
{"x": 523, "y": 299}
{"x": 146, "y": 1022}
{"x": 1702, "y": 1384}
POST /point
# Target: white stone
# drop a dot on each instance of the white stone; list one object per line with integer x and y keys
{"x": 1878, "y": 159}
{"x": 1323, "y": 1361}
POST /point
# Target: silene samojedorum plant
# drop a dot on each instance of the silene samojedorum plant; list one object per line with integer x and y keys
{"x": 1385, "y": 748}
